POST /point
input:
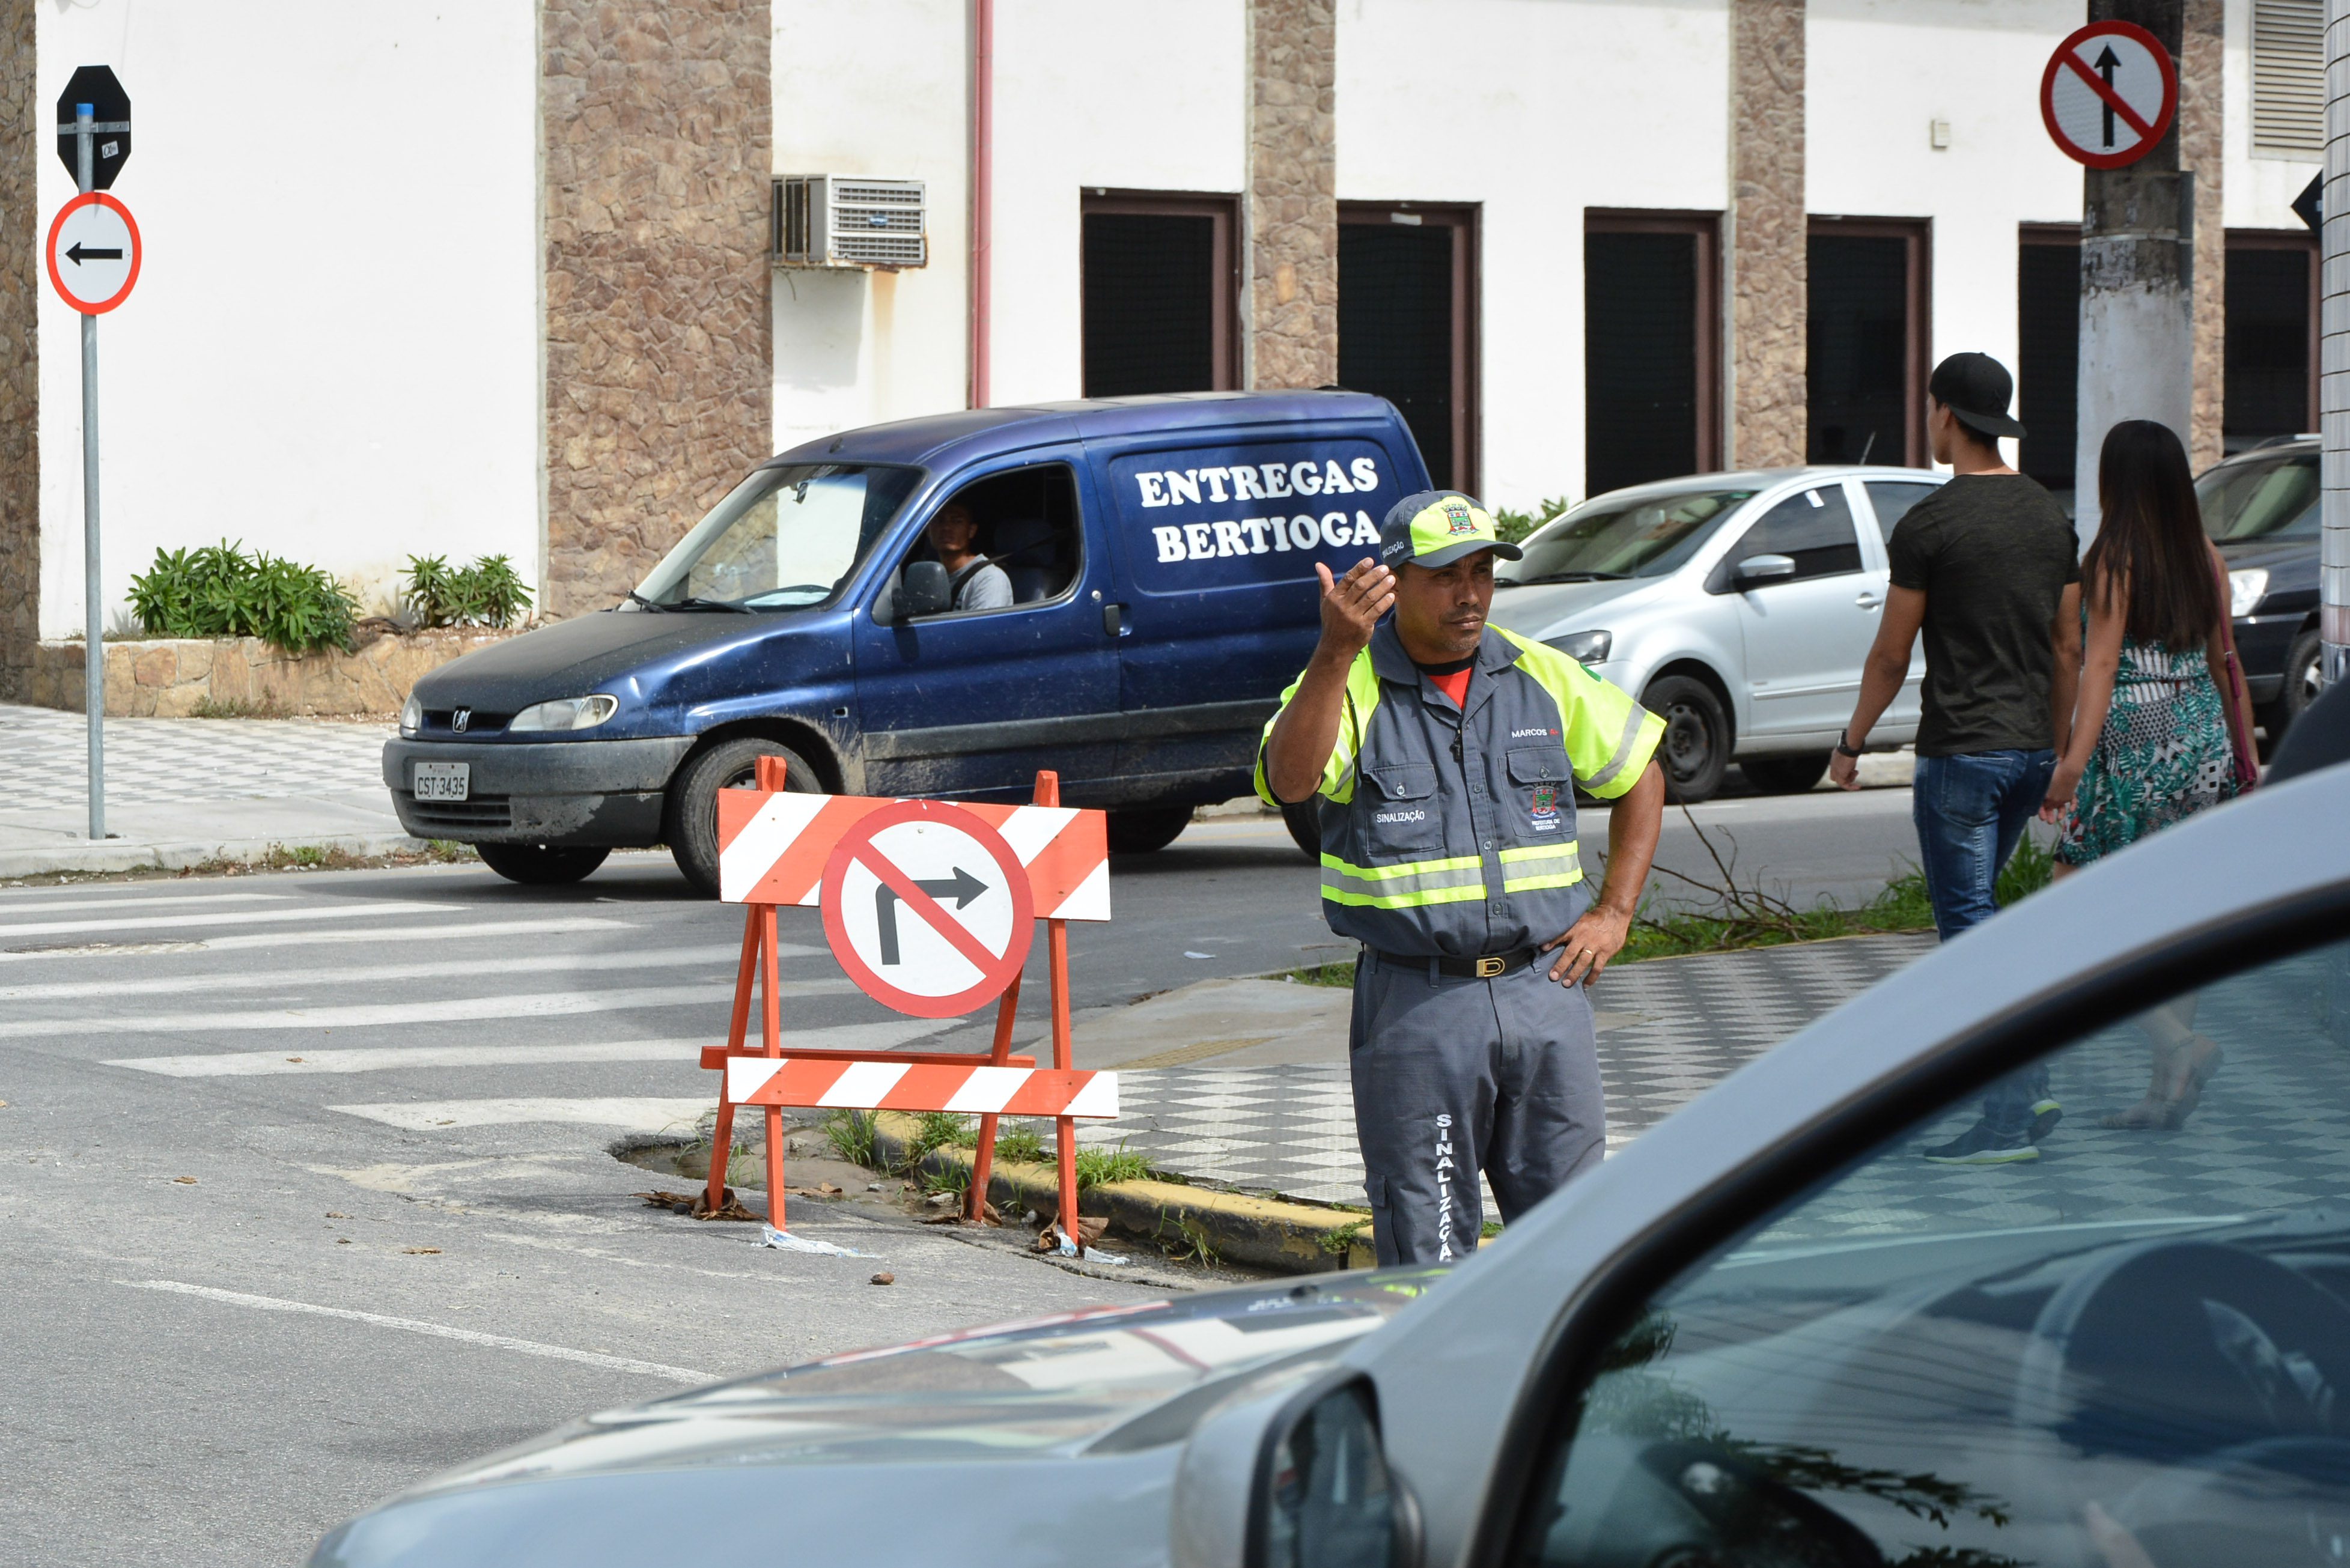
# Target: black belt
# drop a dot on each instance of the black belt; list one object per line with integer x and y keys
{"x": 1491, "y": 967}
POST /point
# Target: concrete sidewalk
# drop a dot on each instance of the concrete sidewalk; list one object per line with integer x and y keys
{"x": 182, "y": 791}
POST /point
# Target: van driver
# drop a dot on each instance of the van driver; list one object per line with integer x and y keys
{"x": 979, "y": 584}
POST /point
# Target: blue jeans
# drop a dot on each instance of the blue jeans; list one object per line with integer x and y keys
{"x": 1970, "y": 812}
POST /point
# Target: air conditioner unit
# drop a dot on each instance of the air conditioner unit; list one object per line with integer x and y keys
{"x": 846, "y": 220}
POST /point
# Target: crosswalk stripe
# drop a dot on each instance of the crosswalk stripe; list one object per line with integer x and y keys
{"x": 389, "y": 1058}
{"x": 352, "y": 910}
{"x": 8, "y": 904}
{"x": 445, "y": 969}
{"x": 532, "y": 1005}
{"x": 463, "y": 932}
{"x": 647, "y": 1115}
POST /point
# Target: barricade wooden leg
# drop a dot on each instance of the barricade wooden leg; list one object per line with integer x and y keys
{"x": 1057, "y": 937}
{"x": 982, "y": 1164}
{"x": 772, "y": 1034}
{"x": 722, "y": 1137}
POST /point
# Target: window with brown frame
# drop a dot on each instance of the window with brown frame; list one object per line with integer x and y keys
{"x": 2270, "y": 386}
{"x": 1866, "y": 340}
{"x": 1161, "y": 280}
{"x": 1407, "y": 323}
{"x": 1651, "y": 347}
{"x": 2048, "y": 351}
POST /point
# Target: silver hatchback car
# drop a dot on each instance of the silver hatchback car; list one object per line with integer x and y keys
{"x": 1739, "y": 607}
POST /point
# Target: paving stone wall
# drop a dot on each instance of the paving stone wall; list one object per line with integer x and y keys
{"x": 184, "y": 678}
{"x": 659, "y": 383}
{"x": 2201, "y": 116}
{"x": 1769, "y": 232}
{"x": 1293, "y": 205}
{"x": 20, "y": 363}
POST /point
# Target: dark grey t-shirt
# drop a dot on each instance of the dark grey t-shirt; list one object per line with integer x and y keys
{"x": 1992, "y": 554}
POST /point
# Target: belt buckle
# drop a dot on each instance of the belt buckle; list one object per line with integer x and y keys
{"x": 1487, "y": 968}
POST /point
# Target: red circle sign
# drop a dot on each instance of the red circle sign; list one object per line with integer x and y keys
{"x": 888, "y": 889}
{"x": 101, "y": 250}
{"x": 2109, "y": 94}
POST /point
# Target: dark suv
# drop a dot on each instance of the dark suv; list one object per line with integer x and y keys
{"x": 2261, "y": 507}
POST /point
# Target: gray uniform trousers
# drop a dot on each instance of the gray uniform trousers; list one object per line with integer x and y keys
{"x": 1455, "y": 1075}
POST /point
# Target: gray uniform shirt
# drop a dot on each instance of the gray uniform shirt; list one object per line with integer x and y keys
{"x": 982, "y": 586}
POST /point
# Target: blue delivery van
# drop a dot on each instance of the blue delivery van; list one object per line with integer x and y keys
{"x": 1160, "y": 554}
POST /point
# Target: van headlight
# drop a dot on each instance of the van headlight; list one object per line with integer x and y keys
{"x": 565, "y": 713}
{"x": 2246, "y": 590}
{"x": 411, "y": 717}
{"x": 1586, "y": 647}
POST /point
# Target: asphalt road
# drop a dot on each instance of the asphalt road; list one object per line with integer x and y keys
{"x": 308, "y": 1191}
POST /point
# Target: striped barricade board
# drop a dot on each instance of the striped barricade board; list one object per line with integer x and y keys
{"x": 876, "y": 1085}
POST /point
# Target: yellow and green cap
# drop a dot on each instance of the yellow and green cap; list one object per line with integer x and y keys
{"x": 1436, "y": 528}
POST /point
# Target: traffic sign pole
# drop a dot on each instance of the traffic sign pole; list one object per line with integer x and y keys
{"x": 93, "y": 615}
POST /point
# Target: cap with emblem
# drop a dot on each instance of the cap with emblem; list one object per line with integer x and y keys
{"x": 1436, "y": 528}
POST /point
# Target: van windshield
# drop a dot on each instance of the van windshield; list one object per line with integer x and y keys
{"x": 1621, "y": 536}
{"x": 787, "y": 538}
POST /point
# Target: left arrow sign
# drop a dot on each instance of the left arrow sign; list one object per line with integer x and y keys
{"x": 81, "y": 253}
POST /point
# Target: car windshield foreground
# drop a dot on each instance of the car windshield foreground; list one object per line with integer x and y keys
{"x": 1621, "y": 536}
{"x": 2143, "y": 1335}
{"x": 785, "y": 538}
{"x": 2259, "y": 499}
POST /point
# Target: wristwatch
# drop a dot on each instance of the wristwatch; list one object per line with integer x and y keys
{"x": 1843, "y": 749}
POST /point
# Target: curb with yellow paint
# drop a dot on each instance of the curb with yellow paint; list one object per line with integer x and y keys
{"x": 1259, "y": 1232}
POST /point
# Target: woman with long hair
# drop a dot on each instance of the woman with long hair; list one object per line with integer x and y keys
{"x": 2153, "y": 738}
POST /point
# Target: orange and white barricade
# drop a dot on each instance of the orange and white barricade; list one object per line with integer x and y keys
{"x": 861, "y": 860}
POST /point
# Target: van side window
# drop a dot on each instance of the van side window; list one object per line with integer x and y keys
{"x": 1024, "y": 525}
{"x": 1812, "y": 526}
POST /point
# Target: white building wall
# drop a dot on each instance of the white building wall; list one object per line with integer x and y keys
{"x": 1878, "y": 73}
{"x": 332, "y": 351}
{"x": 881, "y": 88}
{"x": 1536, "y": 111}
{"x": 2260, "y": 187}
{"x": 1094, "y": 97}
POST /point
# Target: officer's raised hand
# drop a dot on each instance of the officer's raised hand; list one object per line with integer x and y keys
{"x": 1352, "y": 605}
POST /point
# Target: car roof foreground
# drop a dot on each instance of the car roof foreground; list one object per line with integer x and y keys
{"x": 1459, "y": 1360}
{"x": 972, "y": 434}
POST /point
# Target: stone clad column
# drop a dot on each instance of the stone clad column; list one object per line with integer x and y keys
{"x": 21, "y": 145}
{"x": 1292, "y": 200}
{"x": 659, "y": 362}
{"x": 2201, "y": 118}
{"x": 1769, "y": 236}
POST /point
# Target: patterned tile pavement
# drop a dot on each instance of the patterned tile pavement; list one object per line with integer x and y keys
{"x": 165, "y": 762}
{"x": 1670, "y": 1028}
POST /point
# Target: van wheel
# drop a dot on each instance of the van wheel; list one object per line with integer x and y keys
{"x": 541, "y": 864}
{"x": 1140, "y": 832}
{"x": 1304, "y": 820}
{"x": 1695, "y": 752}
{"x": 689, "y": 814}
{"x": 1786, "y": 775}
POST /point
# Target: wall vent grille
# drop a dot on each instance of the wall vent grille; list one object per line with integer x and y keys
{"x": 832, "y": 219}
{"x": 2289, "y": 76}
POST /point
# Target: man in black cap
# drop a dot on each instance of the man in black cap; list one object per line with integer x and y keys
{"x": 1988, "y": 568}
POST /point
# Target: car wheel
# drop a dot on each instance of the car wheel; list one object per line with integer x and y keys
{"x": 1304, "y": 820}
{"x": 1695, "y": 752}
{"x": 541, "y": 864}
{"x": 689, "y": 824}
{"x": 1786, "y": 775}
{"x": 1141, "y": 831}
{"x": 2299, "y": 689}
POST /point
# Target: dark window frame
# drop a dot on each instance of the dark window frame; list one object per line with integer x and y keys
{"x": 2307, "y": 244}
{"x": 2052, "y": 236}
{"x": 1918, "y": 340}
{"x": 1705, "y": 228}
{"x": 1465, "y": 220}
{"x": 1224, "y": 322}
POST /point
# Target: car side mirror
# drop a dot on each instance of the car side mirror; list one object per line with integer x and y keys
{"x": 1763, "y": 568}
{"x": 1323, "y": 1495}
{"x": 925, "y": 589}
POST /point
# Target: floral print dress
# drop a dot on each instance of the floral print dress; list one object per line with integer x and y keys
{"x": 2164, "y": 753}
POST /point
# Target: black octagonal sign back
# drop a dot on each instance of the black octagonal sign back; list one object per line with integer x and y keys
{"x": 110, "y": 149}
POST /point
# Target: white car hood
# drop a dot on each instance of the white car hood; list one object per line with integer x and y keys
{"x": 1544, "y": 609}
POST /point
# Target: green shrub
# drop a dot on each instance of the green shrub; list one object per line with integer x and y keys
{"x": 1097, "y": 1165}
{"x": 490, "y": 592}
{"x": 1514, "y": 527}
{"x": 850, "y": 1132}
{"x": 219, "y": 590}
{"x": 1023, "y": 1145}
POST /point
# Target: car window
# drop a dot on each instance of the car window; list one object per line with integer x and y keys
{"x": 1025, "y": 523}
{"x": 2251, "y": 499}
{"x": 785, "y": 538}
{"x": 2131, "y": 1349}
{"x": 1814, "y": 528}
{"x": 1618, "y": 537}
{"x": 1892, "y": 500}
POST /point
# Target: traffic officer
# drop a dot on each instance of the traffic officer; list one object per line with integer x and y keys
{"x": 1445, "y": 754}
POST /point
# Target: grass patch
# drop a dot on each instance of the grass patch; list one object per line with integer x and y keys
{"x": 235, "y": 708}
{"x": 851, "y": 1135}
{"x": 1342, "y": 972}
{"x": 1339, "y": 1241}
{"x": 1097, "y": 1165}
{"x": 1022, "y": 1146}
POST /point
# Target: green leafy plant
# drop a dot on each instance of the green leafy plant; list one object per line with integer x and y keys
{"x": 1514, "y": 525}
{"x": 1023, "y": 1145}
{"x": 851, "y": 1135}
{"x": 220, "y": 590}
{"x": 1098, "y": 1165}
{"x": 1192, "y": 1243}
{"x": 1340, "y": 1241}
{"x": 490, "y": 592}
